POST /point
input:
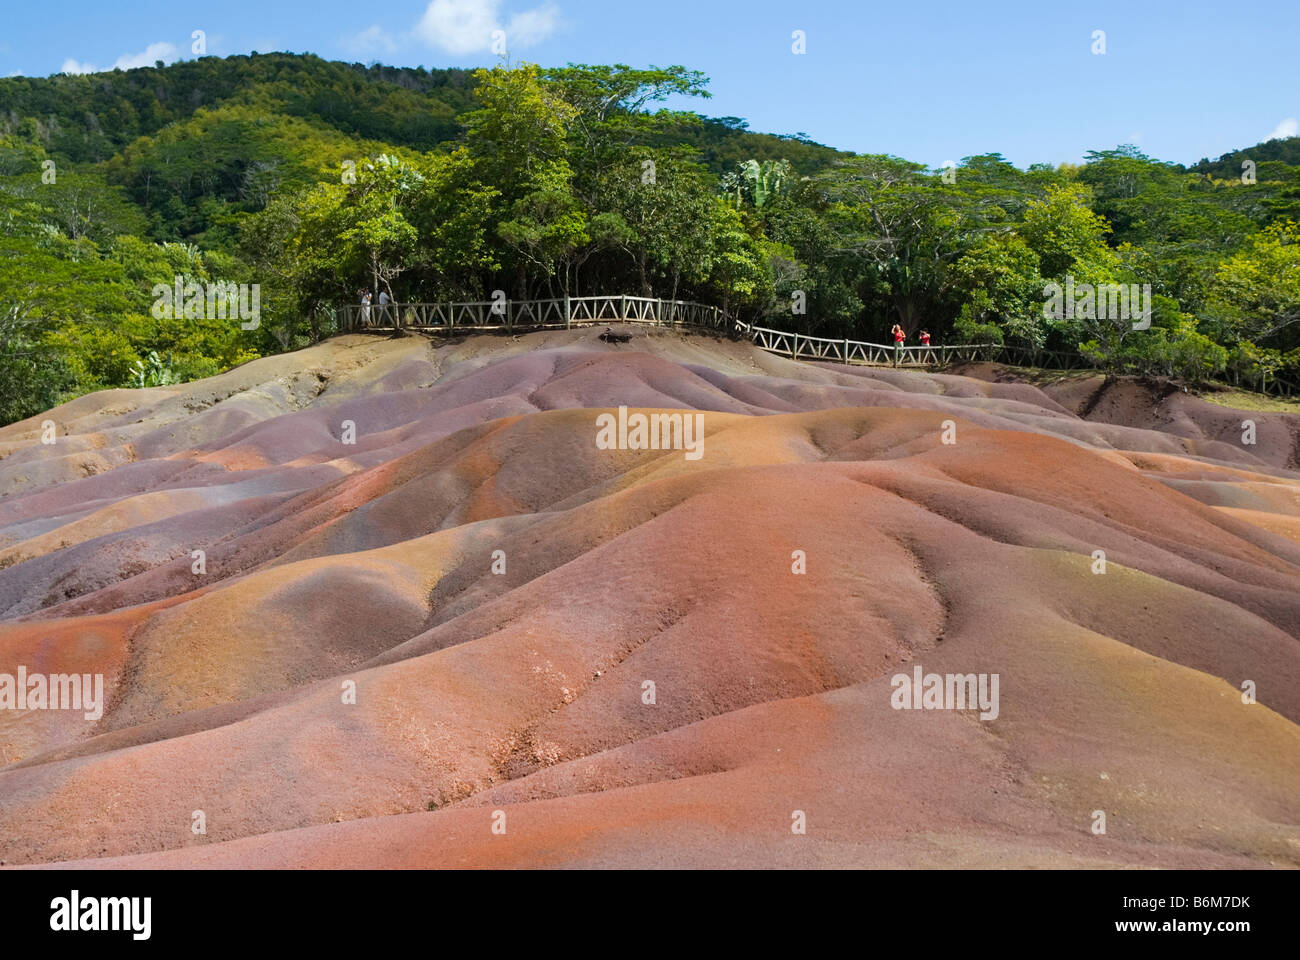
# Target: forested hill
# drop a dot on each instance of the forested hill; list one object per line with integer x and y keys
{"x": 310, "y": 180}
{"x": 90, "y": 118}
{"x": 1278, "y": 154}
{"x": 199, "y": 142}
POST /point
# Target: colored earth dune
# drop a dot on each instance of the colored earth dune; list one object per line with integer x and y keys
{"x": 474, "y": 638}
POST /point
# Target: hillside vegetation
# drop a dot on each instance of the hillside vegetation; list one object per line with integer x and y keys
{"x": 313, "y": 179}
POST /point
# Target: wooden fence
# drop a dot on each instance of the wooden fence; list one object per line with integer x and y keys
{"x": 482, "y": 315}
{"x": 531, "y": 314}
{"x": 567, "y": 312}
{"x": 803, "y": 347}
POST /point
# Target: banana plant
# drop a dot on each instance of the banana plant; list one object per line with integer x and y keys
{"x": 153, "y": 371}
{"x": 757, "y": 182}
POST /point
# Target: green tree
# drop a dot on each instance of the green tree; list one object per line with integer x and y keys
{"x": 1001, "y": 277}
{"x": 1256, "y": 292}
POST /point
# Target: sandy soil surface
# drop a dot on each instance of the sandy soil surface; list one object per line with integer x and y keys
{"x": 473, "y": 637}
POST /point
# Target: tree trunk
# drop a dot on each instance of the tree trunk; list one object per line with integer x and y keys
{"x": 645, "y": 281}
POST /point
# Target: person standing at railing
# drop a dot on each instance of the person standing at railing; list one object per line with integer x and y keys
{"x": 384, "y": 301}
{"x": 365, "y": 307}
{"x": 899, "y": 337}
{"x": 925, "y": 338}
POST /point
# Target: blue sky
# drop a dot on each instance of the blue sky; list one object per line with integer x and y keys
{"x": 930, "y": 81}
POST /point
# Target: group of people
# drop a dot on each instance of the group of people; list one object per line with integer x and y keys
{"x": 384, "y": 301}
{"x": 900, "y": 337}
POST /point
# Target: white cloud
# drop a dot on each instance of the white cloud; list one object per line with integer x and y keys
{"x": 1287, "y": 128}
{"x": 532, "y": 26}
{"x": 372, "y": 40}
{"x": 459, "y": 26}
{"x": 166, "y": 52}
{"x": 466, "y": 26}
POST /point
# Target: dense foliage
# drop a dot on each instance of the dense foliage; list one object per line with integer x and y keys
{"x": 314, "y": 179}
